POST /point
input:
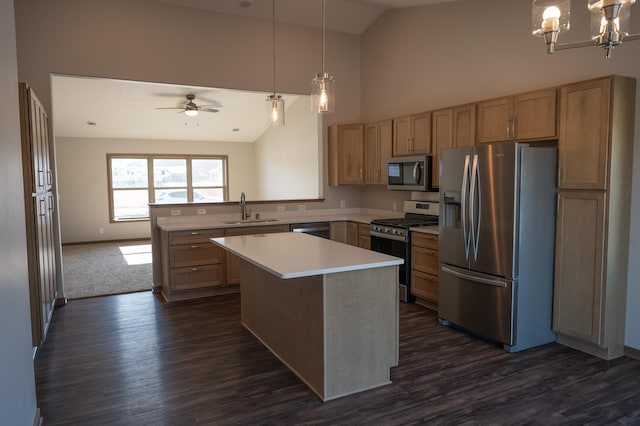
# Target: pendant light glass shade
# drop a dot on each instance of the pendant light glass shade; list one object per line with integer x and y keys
{"x": 609, "y": 22}
{"x": 323, "y": 92}
{"x": 274, "y": 103}
{"x": 548, "y": 19}
{"x": 323, "y": 84}
{"x": 275, "y": 110}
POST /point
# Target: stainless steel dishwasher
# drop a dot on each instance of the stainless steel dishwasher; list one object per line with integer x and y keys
{"x": 319, "y": 229}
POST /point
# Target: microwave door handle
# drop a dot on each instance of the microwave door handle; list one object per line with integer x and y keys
{"x": 463, "y": 206}
{"x": 417, "y": 173}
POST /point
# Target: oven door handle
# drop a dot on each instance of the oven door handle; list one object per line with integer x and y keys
{"x": 388, "y": 236}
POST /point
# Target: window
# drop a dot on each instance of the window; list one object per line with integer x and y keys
{"x": 136, "y": 180}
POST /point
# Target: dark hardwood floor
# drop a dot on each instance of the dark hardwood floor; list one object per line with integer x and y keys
{"x": 134, "y": 360}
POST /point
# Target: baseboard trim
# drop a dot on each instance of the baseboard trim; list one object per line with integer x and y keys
{"x": 80, "y": 243}
{"x": 632, "y": 353}
{"x": 38, "y": 420}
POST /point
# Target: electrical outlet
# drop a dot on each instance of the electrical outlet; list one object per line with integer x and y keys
{"x": 342, "y": 204}
{"x": 201, "y": 211}
{"x": 280, "y": 208}
{"x": 100, "y": 230}
{"x": 175, "y": 212}
{"x": 301, "y": 207}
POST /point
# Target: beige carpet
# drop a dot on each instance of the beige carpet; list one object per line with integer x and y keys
{"x": 106, "y": 268}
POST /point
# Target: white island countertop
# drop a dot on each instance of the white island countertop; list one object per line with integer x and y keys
{"x": 294, "y": 255}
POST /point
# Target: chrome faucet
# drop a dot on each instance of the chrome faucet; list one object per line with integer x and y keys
{"x": 243, "y": 204}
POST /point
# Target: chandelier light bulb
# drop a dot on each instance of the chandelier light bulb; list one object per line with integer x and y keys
{"x": 274, "y": 111}
{"x": 551, "y": 19}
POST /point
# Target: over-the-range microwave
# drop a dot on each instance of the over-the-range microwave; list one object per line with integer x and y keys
{"x": 411, "y": 173}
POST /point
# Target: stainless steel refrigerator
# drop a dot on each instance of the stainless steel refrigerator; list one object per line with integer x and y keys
{"x": 497, "y": 227}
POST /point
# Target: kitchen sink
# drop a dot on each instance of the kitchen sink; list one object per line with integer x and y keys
{"x": 239, "y": 221}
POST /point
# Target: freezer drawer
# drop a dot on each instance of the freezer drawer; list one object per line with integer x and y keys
{"x": 479, "y": 303}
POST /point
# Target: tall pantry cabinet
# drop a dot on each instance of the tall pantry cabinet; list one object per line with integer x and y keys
{"x": 39, "y": 211}
{"x": 595, "y": 153}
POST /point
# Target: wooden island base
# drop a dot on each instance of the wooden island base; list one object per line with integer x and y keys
{"x": 338, "y": 332}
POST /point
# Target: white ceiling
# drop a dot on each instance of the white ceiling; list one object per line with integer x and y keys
{"x": 127, "y": 109}
{"x": 349, "y": 16}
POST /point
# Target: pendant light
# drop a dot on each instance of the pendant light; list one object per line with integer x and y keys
{"x": 275, "y": 103}
{"x": 322, "y": 85}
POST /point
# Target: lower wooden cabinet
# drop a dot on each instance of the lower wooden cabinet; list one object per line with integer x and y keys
{"x": 192, "y": 265}
{"x": 424, "y": 269}
{"x": 364, "y": 236}
{"x": 232, "y": 262}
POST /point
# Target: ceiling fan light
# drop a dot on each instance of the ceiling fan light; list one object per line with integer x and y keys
{"x": 191, "y": 112}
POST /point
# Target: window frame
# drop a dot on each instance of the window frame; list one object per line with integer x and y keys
{"x": 151, "y": 188}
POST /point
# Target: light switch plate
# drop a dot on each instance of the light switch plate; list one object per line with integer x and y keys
{"x": 280, "y": 208}
{"x": 201, "y": 211}
{"x": 301, "y": 207}
{"x": 175, "y": 212}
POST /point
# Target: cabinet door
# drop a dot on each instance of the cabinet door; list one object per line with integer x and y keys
{"x": 534, "y": 115}
{"x": 583, "y": 138}
{"x": 421, "y": 133}
{"x": 372, "y": 162}
{"x": 351, "y": 155}
{"x": 401, "y": 136}
{"x": 352, "y": 233}
{"x": 578, "y": 279}
{"x": 494, "y": 120}
{"x": 442, "y": 138}
{"x": 385, "y": 148}
{"x": 424, "y": 286}
{"x": 464, "y": 125}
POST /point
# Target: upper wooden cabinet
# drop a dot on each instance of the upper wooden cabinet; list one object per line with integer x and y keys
{"x": 378, "y": 149}
{"x": 451, "y": 127}
{"x": 521, "y": 117}
{"x": 583, "y": 146}
{"x": 412, "y": 134}
{"x": 346, "y": 154}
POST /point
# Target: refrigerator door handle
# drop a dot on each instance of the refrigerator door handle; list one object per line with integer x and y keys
{"x": 474, "y": 278}
{"x": 474, "y": 212}
{"x": 463, "y": 207}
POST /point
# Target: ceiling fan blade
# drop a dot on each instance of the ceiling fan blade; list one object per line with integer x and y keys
{"x": 208, "y": 110}
{"x": 171, "y": 108}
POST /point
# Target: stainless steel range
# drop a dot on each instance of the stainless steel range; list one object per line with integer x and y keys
{"x": 392, "y": 236}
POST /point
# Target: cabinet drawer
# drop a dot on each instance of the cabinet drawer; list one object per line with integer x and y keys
{"x": 194, "y": 236}
{"x": 197, "y": 277}
{"x": 424, "y": 240}
{"x": 194, "y": 255}
{"x": 425, "y": 260}
{"x": 424, "y": 285}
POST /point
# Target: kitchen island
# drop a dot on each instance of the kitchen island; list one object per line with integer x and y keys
{"x": 328, "y": 310}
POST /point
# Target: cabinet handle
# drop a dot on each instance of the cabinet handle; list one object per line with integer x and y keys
{"x": 509, "y": 129}
{"x": 50, "y": 198}
{"x": 195, "y": 247}
{"x": 49, "y": 178}
{"x": 196, "y": 233}
{"x": 514, "y": 129}
{"x": 42, "y": 208}
{"x": 40, "y": 178}
{"x": 195, "y": 269}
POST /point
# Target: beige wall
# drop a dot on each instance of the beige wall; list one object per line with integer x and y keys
{"x": 287, "y": 157}
{"x": 448, "y": 54}
{"x": 144, "y": 40}
{"x": 83, "y": 187}
{"x": 17, "y": 386}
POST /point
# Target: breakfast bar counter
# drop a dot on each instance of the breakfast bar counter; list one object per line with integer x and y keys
{"x": 328, "y": 310}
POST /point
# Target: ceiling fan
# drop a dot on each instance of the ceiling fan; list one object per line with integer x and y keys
{"x": 192, "y": 109}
